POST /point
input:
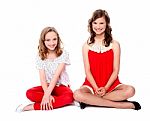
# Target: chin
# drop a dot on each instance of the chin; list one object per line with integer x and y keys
{"x": 99, "y": 33}
{"x": 51, "y": 49}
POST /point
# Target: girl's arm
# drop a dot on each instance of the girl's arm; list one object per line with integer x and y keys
{"x": 55, "y": 78}
{"x": 43, "y": 79}
{"x": 46, "y": 103}
{"x": 89, "y": 76}
{"x": 116, "y": 65}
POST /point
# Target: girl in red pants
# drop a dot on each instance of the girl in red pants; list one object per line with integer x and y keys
{"x": 51, "y": 62}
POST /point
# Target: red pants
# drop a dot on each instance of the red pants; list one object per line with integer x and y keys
{"x": 62, "y": 95}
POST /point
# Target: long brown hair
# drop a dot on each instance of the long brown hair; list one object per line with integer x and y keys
{"x": 108, "y": 36}
{"x": 43, "y": 50}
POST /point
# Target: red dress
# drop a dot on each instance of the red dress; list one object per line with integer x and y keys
{"x": 101, "y": 66}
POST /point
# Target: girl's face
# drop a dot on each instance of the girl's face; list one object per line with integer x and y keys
{"x": 51, "y": 40}
{"x": 99, "y": 25}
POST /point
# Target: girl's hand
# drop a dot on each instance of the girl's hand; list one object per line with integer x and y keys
{"x": 52, "y": 100}
{"x": 96, "y": 90}
{"x": 101, "y": 91}
{"x": 46, "y": 103}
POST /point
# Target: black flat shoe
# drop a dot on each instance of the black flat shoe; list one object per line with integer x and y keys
{"x": 82, "y": 105}
{"x": 136, "y": 105}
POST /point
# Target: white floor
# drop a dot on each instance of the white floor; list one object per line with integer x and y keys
{"x": 14, "y": 95}
{"x": 75, "y": 113}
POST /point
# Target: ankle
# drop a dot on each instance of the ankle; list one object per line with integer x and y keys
{"x": 28, "y": 107}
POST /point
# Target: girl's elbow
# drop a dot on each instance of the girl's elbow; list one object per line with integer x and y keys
{"x": 116, "y": 72}
{"x": 87, "y": 72}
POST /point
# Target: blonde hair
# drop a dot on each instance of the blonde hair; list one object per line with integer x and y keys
{"x": 43, "y": 50}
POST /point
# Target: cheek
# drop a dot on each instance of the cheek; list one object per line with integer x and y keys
{"x": 46, "y": 43}
{"x": 94, "y": 26}
{"x": 56, "y": 42}
{"x": 104, "y": 26}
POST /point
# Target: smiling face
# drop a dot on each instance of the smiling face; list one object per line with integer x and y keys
{"x": 99, "y": 26}
{"x": 51, "y": 40}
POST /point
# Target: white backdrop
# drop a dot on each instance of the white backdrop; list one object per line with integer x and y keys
{"x": 21, "y": 23}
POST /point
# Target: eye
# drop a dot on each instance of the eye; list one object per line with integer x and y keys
{"x": 47, "y": 39}
{"x": 102, "y": 23}
{"x": 94, "y": 22}
{"x": 55, "y": 39}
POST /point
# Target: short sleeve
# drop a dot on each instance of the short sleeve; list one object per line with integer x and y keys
{"x": 39, "y": 63}
{"x": 64, "y": 58}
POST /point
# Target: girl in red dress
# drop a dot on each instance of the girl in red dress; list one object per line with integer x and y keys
{"x": 101, "y": 56}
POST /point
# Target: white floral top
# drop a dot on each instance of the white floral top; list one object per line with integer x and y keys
{"x": 50, "y": 66}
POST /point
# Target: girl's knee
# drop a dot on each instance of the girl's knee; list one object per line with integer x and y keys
{"x": 77, "y": 95}
{"x": 69, "y": 97}
{"x": 130, "y": 91}
{"x": 29, "y": 94}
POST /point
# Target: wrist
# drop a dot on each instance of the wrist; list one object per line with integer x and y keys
{"x": 47, "y": 93}
{"x": 106, "y": 88}
{"x": 95, "y": 88}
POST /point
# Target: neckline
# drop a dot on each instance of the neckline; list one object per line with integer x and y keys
{"x": 100, "y": 49}
{"x": 100, "y": 52}
{"x": 52, "y": 59}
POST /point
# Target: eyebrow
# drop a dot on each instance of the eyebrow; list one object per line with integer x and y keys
{"x": 52, "y": 38}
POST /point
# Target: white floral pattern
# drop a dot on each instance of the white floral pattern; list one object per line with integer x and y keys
{"x": 98, "y": 48}
{"x": 50, "y": 66}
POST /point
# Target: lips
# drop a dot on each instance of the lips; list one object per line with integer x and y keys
{"x": 99, "y": 29}
{"x": 51, "y": 46}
